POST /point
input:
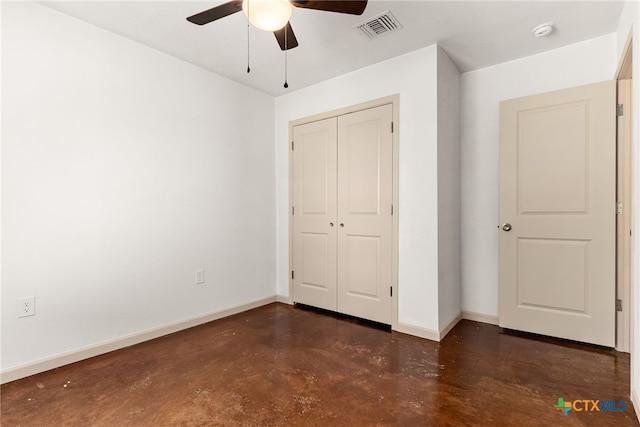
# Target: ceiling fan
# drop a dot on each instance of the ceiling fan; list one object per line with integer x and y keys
{"x": 273, "y": 15}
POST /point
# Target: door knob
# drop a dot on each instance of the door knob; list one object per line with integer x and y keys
{"x": 330, "y": 224}
{"x": 506, "y": 226}
{"x": 341, "y": 224}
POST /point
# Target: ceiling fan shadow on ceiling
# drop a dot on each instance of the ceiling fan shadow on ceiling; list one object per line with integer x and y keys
{"x": 273, "y": 15}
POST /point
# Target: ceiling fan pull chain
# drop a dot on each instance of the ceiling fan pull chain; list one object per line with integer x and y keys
{"x": 248, "y": 67}
{"x": 248, "y": 49}
{"x": 286, "y": 30}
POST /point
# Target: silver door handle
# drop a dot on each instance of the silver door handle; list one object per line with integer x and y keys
{"x": 506, "y": 226}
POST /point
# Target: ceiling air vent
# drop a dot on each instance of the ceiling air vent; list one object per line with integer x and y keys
{"x": 379, "y": 25}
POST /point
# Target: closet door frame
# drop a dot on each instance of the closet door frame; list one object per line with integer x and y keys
{"x": 394, "y": 100}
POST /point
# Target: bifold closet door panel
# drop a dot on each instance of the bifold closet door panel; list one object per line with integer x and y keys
{"x": 365, "y": 226}
{"x": 314, "y": 213}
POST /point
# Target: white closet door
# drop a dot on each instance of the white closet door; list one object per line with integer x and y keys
{"x": 314, "y": 204}
{"x": 365, "y": 224}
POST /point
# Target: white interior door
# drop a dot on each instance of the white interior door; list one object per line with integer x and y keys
{"x": 314, "y": 215}
{"x": 557, "y": 214}
{"x": 364, "y": 213}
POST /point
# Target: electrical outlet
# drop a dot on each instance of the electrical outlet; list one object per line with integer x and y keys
{"x": 199, "y": 277}
{"x": 26, "y": 306}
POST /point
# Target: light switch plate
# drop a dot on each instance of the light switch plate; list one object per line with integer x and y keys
{"x": 199, "y": 277}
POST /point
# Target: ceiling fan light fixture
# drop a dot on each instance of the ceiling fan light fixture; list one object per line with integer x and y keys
{"x": 267, "y": 15}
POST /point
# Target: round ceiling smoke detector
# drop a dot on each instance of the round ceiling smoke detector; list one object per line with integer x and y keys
{"x": 543, "y": 30}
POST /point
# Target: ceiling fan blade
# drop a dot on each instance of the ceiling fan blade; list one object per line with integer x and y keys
{"x": 291, "y": 40}
{"x": 352, "y": 7}
{"x": 217, "y": 12}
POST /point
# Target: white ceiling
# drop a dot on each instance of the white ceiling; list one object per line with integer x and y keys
{"x": 475, "y": 34}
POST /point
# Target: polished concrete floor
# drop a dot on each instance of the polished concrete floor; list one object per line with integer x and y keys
{"x": 285, "y": 366}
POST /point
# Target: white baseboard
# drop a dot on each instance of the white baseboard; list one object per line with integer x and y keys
{"x": 480, "y": 317}
{"x": 284, "y": 299}
{"x": 73, "y": 356}
{"x": 449, "y": 325}
{"x": 429, "y": 334}
{"x": 417, "y": 331}
{"x": 635, "y": 401}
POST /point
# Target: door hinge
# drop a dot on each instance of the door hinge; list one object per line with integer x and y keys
{"x": 293, "y": 210}
{"x": 390, "y": 291}
{"x": 618, "y": 305}
{"x": 291, "y": 145}
{"x": 391, "y": 127}
{"x": 619, "y": 208}
{"x": 619, "y": 110}
{"x": 293, "y": 275}
{"x": 391, "y": 209}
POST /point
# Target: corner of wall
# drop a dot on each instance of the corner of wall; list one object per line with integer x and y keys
{"x": 449, "y": 191}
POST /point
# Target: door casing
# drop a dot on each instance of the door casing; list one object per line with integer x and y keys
{"x": 624, "y": 75}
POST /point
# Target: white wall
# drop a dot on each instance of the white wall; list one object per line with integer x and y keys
{"x": 449, "y": 235}
{"x": 630, "y": 22}
{"x": 414, "y": 77}
{"x": 123, "y": 171}
{"x": 482, "y": 90}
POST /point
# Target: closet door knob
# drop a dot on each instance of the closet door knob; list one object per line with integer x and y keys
{"x": 341, "y": 225}
{"x": 330, "y": 224}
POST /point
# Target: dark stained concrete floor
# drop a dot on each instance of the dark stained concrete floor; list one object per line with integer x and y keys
{"x": 283, "y": 366}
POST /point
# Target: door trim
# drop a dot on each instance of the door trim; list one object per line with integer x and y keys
{"x": 624, "y": 75}
{"x": 625, "y": 67}
{"x": 394, "y": 100}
